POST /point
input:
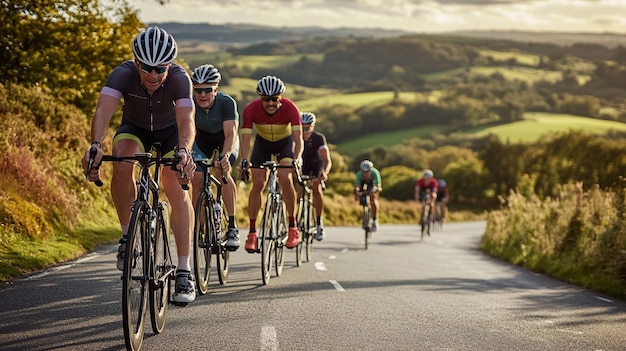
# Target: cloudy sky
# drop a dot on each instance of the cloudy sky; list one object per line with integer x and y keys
{"x": 410, "y": 15}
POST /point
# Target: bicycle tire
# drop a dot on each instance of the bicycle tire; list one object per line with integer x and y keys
{"x": 309, "y": 232}
{"x": 222, "y": 255}
{"x": 134, "y": 279}
{"x": 423, "y": 220}
{"x": 282, "y": 230}
{"x": 366, "y": 225}
{"x": 301, "y": 220}
{"x": 267, "y": 243}
{"x": 163, "y": 269}
{"x": 202, "y": 243}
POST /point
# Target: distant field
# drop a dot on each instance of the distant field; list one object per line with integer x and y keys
{"x": 531, "y": 129}
{"x": 529, "y": 75}
{"x": 538, "y": 124}
{"x": 524, "y": 59}
{"x": 248, "y": 61}
{"x": 355, "y": 146}
{"x": 356, "y": 99}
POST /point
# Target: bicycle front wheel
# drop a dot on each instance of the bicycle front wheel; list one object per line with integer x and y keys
{"x": 267, "y": 242}
{"x": 202, "y": 243}
{"x": 163, "y": 270}
{"x": 424, "y": 220}
{"x": 281, "y": 230}
{"x": 301, "y": 220}
{"x": 366, "y": 225}
{"x": 222, "y": 255}
{"x": 309, "y": 235}
{"x": 135, "y": 278}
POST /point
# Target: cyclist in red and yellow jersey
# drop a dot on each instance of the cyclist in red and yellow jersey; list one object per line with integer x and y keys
{"x": 279, "y": 132}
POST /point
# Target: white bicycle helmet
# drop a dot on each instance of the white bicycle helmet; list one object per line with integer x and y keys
{"x": 270, "y": 86}
{"x": 428, "y": 174}
{"x": 442, "y": 183}
{"x": 155, "y": 47}
{"x": 366, "y": 165}
{"x": 307, "y": 117}
{"x": 206, "y": 74}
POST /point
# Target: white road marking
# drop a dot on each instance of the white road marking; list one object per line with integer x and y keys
{"x": 570, "y": 331}
{"x": 337, "y": 286}
{"x": 332, "y": 257}
{"x": 269, "y": 340}
{"x": 603, "y": 299}
{"x": 319, "y": 265}
{"x": 86, "y": 258}
{"x": 344, "y": 250}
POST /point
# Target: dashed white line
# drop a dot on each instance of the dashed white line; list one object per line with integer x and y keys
{"x": 332, "y": 257}
{"x": 320, "y": 266}
{"x": 337, "y": 286}
{"x": 269, "y": 340}
{"x": 603, "y": 299}
{"x": 570, "y": 331}
{"x": 344, "y": 250}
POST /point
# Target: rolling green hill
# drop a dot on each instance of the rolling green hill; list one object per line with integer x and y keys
{"x": 533, "y": 127}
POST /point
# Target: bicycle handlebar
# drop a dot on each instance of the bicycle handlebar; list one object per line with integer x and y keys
{"x": 205, "y": 162}
{"x": 145, "y": 159}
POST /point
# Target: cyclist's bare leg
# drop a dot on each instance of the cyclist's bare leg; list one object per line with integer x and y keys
{"x": 196, "y": 188}
{"x": 182, "y": 217}
{"x": 123, "y": 189}
{"x": 259, "y": 179}
{"x": 229, "y": 192}
{"x": 286, "y": 184}
{"x": 318, "y": 198}
{"x": 374, "y": 204}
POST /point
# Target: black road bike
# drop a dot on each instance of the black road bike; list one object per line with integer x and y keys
{"x": 148, "y": 267}
{"x": 305, "y": 219}
{"x": 366, "y": 221}
{"x": 211, "y": 224}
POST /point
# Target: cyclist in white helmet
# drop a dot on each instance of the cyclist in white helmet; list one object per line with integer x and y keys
{"x": 368, "y": 179}
{"x": 426, "y": 186}
{"x": 216, "y": 126}
{"x": 316, "y": 162}
{"x": 158, "y": 107}
{"x": 279, "y": 132}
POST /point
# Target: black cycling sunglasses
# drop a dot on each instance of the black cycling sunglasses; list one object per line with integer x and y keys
{"x": 270, "y": 98}
{"x": 207, "y": 90}
{"x": 148, "y": 69}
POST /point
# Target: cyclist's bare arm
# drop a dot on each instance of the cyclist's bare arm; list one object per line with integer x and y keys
{"x": 326, "y": 162}
{"x": 185, "y": 120}
{"x": 296, "y": 134}
{"x": 107, "y": 105}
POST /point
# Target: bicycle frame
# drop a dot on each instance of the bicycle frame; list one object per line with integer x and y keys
{"x": 148, "y": 215}
{"x": 305, "y": 219}
{"x": 364, "y": 200}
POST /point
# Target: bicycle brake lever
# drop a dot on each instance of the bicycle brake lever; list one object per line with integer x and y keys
{"x": 92, "y": 155}
{"x": 178, "y": 159}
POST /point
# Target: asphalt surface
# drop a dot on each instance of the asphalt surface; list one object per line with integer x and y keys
{"x": 402, "y": 293}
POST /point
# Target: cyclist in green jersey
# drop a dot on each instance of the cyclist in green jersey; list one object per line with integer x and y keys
{"x": 368, "y": 179}
{"x": 216, "y": 123}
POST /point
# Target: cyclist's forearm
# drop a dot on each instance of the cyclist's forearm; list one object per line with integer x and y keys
{"x": 297, "y": 144}
{"x": 107, "y": 105}
{"x": 229, "y": 137}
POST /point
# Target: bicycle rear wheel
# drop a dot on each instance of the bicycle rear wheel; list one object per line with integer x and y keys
{"x": 221, "y": 254}
{"x": 134, "y": 278}
{"x": 202, "y": 243}
{"x": 281, "y": 230}
{"x": 163, "y": 270}
{"x": 267, "y": 242}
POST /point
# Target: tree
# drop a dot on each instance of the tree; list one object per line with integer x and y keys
{"x": 66, "y": 47}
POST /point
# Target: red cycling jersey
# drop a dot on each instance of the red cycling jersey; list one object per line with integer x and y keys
{"x": 432, "y": 184}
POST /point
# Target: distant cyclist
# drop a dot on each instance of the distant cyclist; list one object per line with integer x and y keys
{"x": 216, "y": 124}
{"x": 316, "y": 162}
{"x": 442, "y": 198}
{"x": 279, "y": 131}
{"x": 427, "y": 182}
{"x": 368, "y": 179}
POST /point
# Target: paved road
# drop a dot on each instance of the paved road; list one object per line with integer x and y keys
{"x": 400, "y": 294}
